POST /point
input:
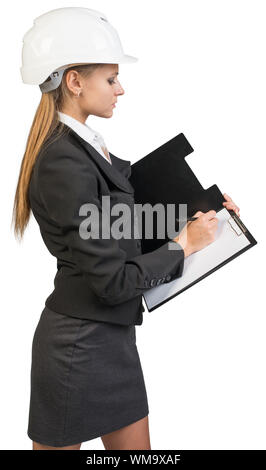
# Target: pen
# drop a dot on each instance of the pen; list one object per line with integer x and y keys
{"x": 189, "y": 219}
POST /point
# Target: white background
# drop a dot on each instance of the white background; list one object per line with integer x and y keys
{"x": 201, "y": 71}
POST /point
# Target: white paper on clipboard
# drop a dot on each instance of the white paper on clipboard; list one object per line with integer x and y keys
{"x": 229, "y": 240}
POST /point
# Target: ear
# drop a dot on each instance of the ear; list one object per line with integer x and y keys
{"x": 73, "y": 80}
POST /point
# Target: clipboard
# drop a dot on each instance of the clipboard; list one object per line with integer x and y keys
{"x": 164, "y": 177}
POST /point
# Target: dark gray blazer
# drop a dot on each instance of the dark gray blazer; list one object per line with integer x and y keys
{"x": 98, "y": 279}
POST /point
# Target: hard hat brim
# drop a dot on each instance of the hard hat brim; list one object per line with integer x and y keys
{"x": 36, "y": 76}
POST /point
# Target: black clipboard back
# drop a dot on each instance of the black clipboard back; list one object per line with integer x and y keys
{"x": 163, "y": 176}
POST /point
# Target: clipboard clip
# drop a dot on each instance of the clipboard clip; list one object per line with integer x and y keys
{"x": 237, "y": 225}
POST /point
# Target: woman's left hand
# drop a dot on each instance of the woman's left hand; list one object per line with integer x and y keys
{"x": 229, "y": 204}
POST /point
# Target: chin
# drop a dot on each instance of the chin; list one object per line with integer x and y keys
{"x": 106, "y": 114}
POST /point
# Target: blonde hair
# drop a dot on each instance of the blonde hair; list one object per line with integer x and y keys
{"x": 45, "y": 122}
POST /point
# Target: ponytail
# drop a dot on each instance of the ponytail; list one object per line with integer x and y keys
{"x": 44, "y": 124}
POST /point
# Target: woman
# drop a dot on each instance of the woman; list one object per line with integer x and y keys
{"x": 86, "y": 375}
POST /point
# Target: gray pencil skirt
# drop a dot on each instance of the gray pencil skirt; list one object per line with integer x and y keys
{"x": 86, "y": 380}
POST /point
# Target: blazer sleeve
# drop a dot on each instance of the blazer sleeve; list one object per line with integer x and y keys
{"x": 65, "y": 183}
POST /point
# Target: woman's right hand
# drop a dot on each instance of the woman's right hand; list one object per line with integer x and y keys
{"x": 200, "y": 232}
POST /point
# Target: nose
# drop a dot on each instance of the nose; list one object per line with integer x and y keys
{"x": 120, "y": 90}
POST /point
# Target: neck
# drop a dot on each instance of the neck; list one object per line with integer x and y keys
{"x": 76, "y": 114}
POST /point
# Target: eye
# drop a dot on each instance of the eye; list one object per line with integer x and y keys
{"x": 111, "y": 81}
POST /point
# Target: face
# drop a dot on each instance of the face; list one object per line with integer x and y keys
{"x": 98, "y": 94}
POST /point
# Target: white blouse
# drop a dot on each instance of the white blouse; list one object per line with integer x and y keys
{"x": 85, "y": 132}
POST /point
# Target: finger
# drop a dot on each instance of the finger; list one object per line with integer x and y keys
{"x": 210, "y": 214}
{"x": 230, "y": 202}
{"x": 198, "y": 213}
{"x": 230, "y": 205}
{"x": 233, "y": 208}
{"x": 227, "y": 197}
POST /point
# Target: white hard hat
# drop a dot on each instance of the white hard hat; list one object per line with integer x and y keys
{"x": 68, "y": 36}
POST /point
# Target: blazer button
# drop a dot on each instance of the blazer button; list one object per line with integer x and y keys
{"x": 168, "y": 277}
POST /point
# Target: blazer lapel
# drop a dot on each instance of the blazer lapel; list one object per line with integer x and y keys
{"x": 118, "y": 173}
